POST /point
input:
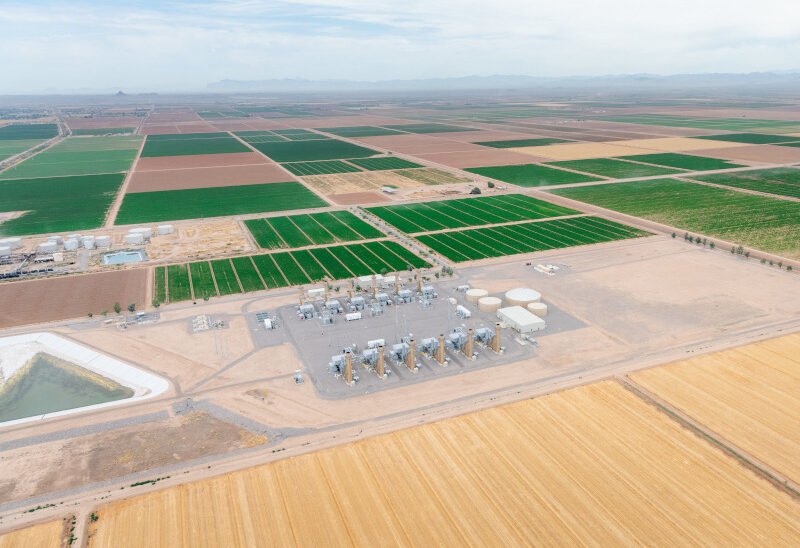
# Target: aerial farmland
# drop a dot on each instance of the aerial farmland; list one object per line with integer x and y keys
{"x": 250, "y": 320}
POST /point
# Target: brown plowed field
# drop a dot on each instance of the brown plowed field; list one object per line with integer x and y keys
{"x": 337, "y": 121}
{"x": 196, "y": 127}
{"x": 594, "y": 465}
{"x": 481, "y": 158}
{"x": 199, "y": 160}
{"x": 486, "y": 135}
{"x": 103, "y": 121}
{"x": 158, "y": 129}
{"x": 413, "y": 144}
{"x": 44, "y": 535}
{"x": 770, "y": 154}
{"x": 355, "y": 198}
{"x": 748, "y": 395}
{"x": 66, "y": 297}
{"x": 206, "y": 177}
{"x": 175, "y": 115}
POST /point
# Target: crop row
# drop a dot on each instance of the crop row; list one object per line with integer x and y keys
{"x": 310, "y": 229}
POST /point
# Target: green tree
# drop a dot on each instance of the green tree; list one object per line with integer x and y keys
{"x": 117, "y": 308}
{"x": 156, "y": 303}
{"x": 475, "y": 190}
{"x": 90, "y": 314}
{"x": 490, "y": 184}
{"x": 131, "y": 307}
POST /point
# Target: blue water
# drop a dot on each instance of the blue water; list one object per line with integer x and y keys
{"x": 120, "y": 257}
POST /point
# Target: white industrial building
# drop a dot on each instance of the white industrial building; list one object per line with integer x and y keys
{"x": 520, "y": 319}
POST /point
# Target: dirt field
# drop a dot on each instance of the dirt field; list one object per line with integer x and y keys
{"x": 486, "y": 135}
{"x": 61, "y": 298}
{"x": 158, "y": 129}
{"x": 103, "y": 121}
{"x": 748, "y": 395}
{"x": 157, "y": 163}
{"x": 31, "y": 470}
{"x": 343, "y": 183}
{"x": 581, "y": 151}
{"x": 592, "y": 465}
{"x": 419, "y": 144}
{"x": 207, "y": 177}
{"x": 173, "y": 115}
{"x": 200, "y": 239}
{"x": 678, "y": 144}
{"x": 355, "y": 198}
{"x": 771, "y": 154}
{"x": 482, "y": 158}
{"x": 46, "y": 535}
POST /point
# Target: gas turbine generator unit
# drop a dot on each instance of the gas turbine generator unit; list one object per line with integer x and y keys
{"x": 428, "y": 292}
{"x": 405, "y": 296}
{"x": 334, "y": 307}
{"x": 306, "y": 311}
{"x": 358, "y": 303}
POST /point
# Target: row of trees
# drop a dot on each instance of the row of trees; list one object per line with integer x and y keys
{"x": 117, "y": 309}
{"x": 737, "y": 250}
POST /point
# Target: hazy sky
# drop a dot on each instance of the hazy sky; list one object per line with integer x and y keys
{"x": 182, "y": 46}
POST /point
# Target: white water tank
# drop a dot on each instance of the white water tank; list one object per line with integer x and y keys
{"x": 474, "y": 294}
{"x": 48, "y": 247}
{"x": 134, "y": 238}
{"x": 56, "y": 239}
{"x": 87, "y": 242}
{"x": 143, "y": 230}
{"x": 489, "y": 304}
{"x": 522, "y": 296}
{"x": 71, "y": 244}
{"x": 73, "y": 237}
{"x": 5, "y": 251}
{"x": 540, "y": 309}
{"x": 13, "y": 243}
{"x": 165, "y": 229}
{"x": 103, "y": 241}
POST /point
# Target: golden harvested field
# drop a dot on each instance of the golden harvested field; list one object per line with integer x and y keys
{"x": 678, "y": 144}
{"x": 748, "y": 395}
{"x": 592, "y": 465}
{"x": 582, "y": 151}
{"x": 45, "y": 535}
{"x": 340, "y": 183}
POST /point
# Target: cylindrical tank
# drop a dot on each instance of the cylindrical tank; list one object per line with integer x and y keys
{"x": 489, "y": 304}
{"x": 540, "y": 309}
{"x": 71, "y": 244}
{"x": 522, "y": 296}
{"x": 73, "y": 237}
{"x": 13, "y": 243}
{"x": 103, "y": 241}
{"x": 48, "y": 247}
{"x": 87, "y": 242}
{"x": 5, "y": 251}
{"x": 56, "y": 239}
{"x": 474, "y": 294}
{"x": 136, "y": 238}
{"x": 143, "y": 230}
{"x": 165, "y": 229}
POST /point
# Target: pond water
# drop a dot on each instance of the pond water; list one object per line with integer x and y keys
{"x": 120, "y": 257}
{"x": 48, "y": 384}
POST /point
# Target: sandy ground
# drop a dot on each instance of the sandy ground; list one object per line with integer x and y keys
{"x": 60, "y": 298}
{"x": 103, "y": 121}
{"x": 481, "y": 158}
{"x": 199, "y": 239}
{"x": 343, "y": 183}
{"x": 206, "y": 177}
{"x": 678, "y": 144}
{"x": 355, "y": 198}
{"x": 173, "y": 116}
{"x": 199, "y": 160}
{"x": 771, "y": 154}
{"x": 581, "y": 151}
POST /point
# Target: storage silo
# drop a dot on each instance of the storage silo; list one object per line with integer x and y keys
{"x": 146, "y": 232}
{"x": 5, "y": 251}
{"x": 47, "y": 248}
{"x": 87, "y": 242}
{"x": 489, "y": 304}
{"x": 522, "y": 296}
{"x": 71, "y": 244}
{"x": 56, "y": 239}
{"x": 540, "y": 309}
{"x": 474, "y": 294}
{"x": 13, "y": 243}
{"x": 73, "y": 237}
{"x": 103, "y": 241}
{"x": 165, "y": 229}
{"x": 135, "y": 238}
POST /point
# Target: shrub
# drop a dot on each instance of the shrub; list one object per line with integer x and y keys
{"x": 673, "y": 235}
{"x": 712, "y": 245}
{"x": 117, "y": 308}
{"x": 475, "y": 190}
{"x": 131, "y": 307}
{"x": 490, "y": 184}
{"x": 156, "y": 303}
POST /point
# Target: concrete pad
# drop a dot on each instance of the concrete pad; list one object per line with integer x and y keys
{"x": 581, "y": 151}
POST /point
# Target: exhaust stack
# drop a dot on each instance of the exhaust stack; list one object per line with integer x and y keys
{"x": 410, "y": 359}
{"x": 467, "y": 348}
{"x": 348, "y": 369}
{"x": 440, "y": 352}
{"x": 494, "y": 344}
{"x": 302, "y": 297}
{"x": 380, "y": 369}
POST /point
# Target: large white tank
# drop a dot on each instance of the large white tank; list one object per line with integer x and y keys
{"x": 165, "y": 229}
{"x": 73, "y": 237}
{"x": 71, "y": 244}
{"x": 48, "y": 247}
{"x": 474, "y": 294}
{"x": 56, "y": 239}
{"x": 136, "y": 238}
{"x": 146, "y": 232}
{"x": 87, "y": 242}
{"x": 540, "y": 309}
{"x": 522, "y": 296}
{"x": 13, "y": 243}
{"x": 489, "y": 304}
{"x": 103, "y": 241}
{"x": 5, "y": 251}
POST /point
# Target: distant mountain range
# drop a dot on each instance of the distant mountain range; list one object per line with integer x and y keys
{"x": 609, "y": 82}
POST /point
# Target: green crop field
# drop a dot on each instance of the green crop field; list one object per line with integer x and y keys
{"x": 682, "y": 161}
{"x": 439, "y": 215}
{"x": 531, "y": 175}
{"x": 751, "y": 138}
{"x": 57, "y": 204}
{"x": 103, "y": 131}
{"x": 481, "y": 243}
{"x": 516, "y": 143}
{"x": 320, "y": 168}
{"x": 616, "y": 169}
{"x": 178, "y": 283}
{"x": 202, "y": 282}
{"x": 17, "y": 132}
{"x": 308, "y": 229}
{"x": 247, "y": 274}
{"x": 196, "y": 203}
{"x": 384, "y": 163}
{"x": 9, "y": 147}
{"x": 429, "y": 128}
{"x": 727, "y": 124}
{"x": 186, "y": 144}
{"x": 295, "y": 131}
{"x": 269, "y": 271}
{"x": 291, "y": 270}
{"x": 225, "y": 276}
{"x": 313, "y": 268}
{"x": 160, "y": 284}
{"x": 333, "y": 265}
{"x": 757, "y": 221}
{"x": 792, "y": 144}
{"x": 301, "y": 151}
{"x": 783, "y": 181}
{"x": 262, "y": 137}
{"x": 358, "y": 131}
{"x": 78, "y": 156}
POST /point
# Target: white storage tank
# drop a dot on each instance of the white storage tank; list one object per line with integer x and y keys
{"x": 540, "y": 309}
{"x": 73, "y": 237}
{"x": 48, "y": 247}
{"x": 146, "y": 232}
{"x": 56, "y": 239}
{"x": 13, "y": 243}
{"x": 136, "y": 238}
{"x": 71, "y": 244}
{"x": 87, "y": 242}
{"x": 522, "y": 296}
{"x": 5, "y": 251}
{"x": 165, "y": 229}
{"x": 474, "y": 294}
{"x": 103, "y": 241}
{"x": 489, "y": 304}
